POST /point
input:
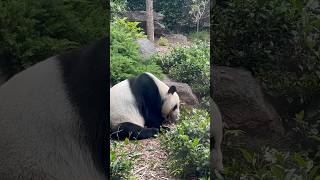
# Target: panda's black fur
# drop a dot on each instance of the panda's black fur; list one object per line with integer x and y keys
{"x": 53, "y": 118}
{"x": 149, "y": 104}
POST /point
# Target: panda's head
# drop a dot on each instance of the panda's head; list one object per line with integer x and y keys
{"x": 171, "y": 105}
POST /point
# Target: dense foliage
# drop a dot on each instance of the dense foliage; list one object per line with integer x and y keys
{"x": 177, "y": 13}
{"x": 33, "y": 30}
{"x": 126, "y": 60}
{"x": 188, "y": 64}
{"x": 188, "y": 145}
{"x": 264, "y": 163}
{"x": 277, "y": 40}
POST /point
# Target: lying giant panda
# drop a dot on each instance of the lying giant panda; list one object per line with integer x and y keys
{"x": 53, "y": 118}
{"x": 141, "y": 101}
{"x": 216, "y": 129}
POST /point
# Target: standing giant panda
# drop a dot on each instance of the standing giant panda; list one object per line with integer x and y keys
{"x": 53, "y": 118}
{"x": 141, "y": 101}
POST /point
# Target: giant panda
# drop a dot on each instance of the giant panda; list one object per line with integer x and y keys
{"x": 139, "y": 105}
{"x": 53, "y": 118}
{"x": 216, "y": 135}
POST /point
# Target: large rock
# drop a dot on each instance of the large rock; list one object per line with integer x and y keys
{"x": 184, "y": 90}
{"x": 242, "y": 103}
{"x": 147, "y": 48}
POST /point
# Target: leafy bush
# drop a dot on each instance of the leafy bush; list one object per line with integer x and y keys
{"x": 188, "y": 145}
{"x": 117, "y": 6}
{"x": 188, "y": 64}
{"x": 260, "y": 162}
{"x": 126, "y": 60}
{"x": 122, "y": 160}
{"x": 276, "y": 40}
{"x": 163, "y": 41}
{"x": 34, "y": 30}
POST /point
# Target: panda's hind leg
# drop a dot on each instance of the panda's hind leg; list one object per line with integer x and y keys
{"x": 133, "y": 131}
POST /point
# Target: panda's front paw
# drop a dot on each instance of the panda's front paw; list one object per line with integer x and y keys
{"x": 153, "y": 132}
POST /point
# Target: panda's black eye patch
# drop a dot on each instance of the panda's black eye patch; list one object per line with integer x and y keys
{"x": 175, "y": 107}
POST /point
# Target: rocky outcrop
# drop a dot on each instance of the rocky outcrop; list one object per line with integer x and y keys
{"x": 186, "y": 95}
{"x": 177, "y": 38}
{"x": 242, "y": 103}
{"x": 147, "y": 48}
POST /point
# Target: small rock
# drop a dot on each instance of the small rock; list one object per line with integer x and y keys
{"x": 177, "y": 38}
{"x": 147, "y": 48}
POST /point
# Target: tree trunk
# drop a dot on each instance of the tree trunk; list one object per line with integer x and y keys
{"x": 150, "y": 22}
{"x": 198, "y": 24}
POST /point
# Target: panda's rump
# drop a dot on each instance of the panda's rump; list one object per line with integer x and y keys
{"x": 124, "y": 107}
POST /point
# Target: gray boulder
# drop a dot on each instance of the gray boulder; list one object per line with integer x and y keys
{"x": 242, "y": 103}
{"x": 147, "y": 48}
{"x": 177, "y": 38}
{"x": 186, "y": 95}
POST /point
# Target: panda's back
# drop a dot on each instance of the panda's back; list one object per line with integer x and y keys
{"x": 123, "y": 106}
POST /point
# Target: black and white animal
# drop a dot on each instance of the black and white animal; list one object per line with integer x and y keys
{"x": 53, "y": 118}
{"x": 139, "y": 106}
{"x": 216, "y": 134}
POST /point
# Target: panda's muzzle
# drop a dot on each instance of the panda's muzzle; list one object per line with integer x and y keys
{"x": 171, "y": 116}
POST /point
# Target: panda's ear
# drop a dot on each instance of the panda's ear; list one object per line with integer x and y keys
{"x": 172, "y": 90}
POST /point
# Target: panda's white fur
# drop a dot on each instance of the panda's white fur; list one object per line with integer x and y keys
{"x": 124, "y": 107}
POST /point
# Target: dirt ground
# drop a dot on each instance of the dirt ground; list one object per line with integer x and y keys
{"x": 151, "y": 164}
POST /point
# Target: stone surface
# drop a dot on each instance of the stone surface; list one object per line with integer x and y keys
{"x": 184, "y": 91}
{"x": 147, "y": 48}
{"x": 242, "y": 103}
{"x": 177, "y": 38}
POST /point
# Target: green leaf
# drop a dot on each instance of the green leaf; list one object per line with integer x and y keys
{"x": 299, "y": 159}
{"x": 126, "y": 141}
{"x": 278, "y": 171}
{"x": 246, "y": 154}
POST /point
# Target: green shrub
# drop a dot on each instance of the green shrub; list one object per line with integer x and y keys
{"x": 188, "y": 64}
{"x": 188, "y": 145}
{"x": 126, "y": 60}
{"x": 163, "y": 41}
{"x": 122, "y": 160}
{"x": 34, "y": 30}
{"x": 117, "y": 6}
{"x": 248, "y": 161}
